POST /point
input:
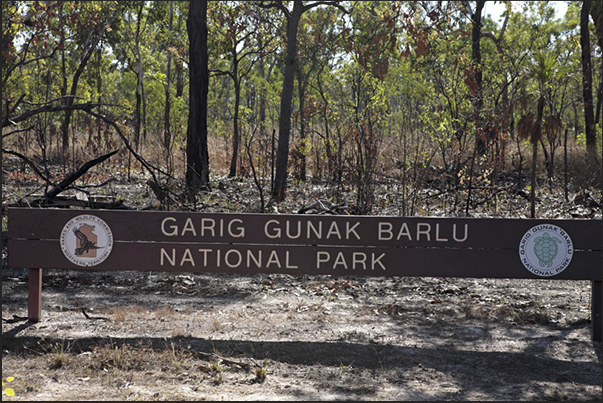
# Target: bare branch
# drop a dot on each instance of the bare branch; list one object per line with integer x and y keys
{"x": 275, "y": 4}
{"x": 75, "y": 175}
{"x": 17, "y": 131}
{"x": 30, "y": 163}
{"x": 48, "y": 108}
{"x": 142, "y": 161}
{"x": 87, "y": 107}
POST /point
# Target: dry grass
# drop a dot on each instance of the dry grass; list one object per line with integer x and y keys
{"x": 122, "y": 313}
{"x": 517, "y": 157}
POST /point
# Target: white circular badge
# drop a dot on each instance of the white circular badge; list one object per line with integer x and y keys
{"x": 546, "y": 250}
{"x": 86, "y": 240}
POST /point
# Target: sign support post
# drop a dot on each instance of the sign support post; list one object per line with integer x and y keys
{"x": 35, "y": 295}
{"x": 595, "y": 310}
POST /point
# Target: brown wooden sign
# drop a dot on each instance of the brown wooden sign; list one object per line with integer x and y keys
{"x": 306, "y": 244}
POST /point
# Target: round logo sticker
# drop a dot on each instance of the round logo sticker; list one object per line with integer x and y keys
{"x": 86, "y": 240}
{"x": 546, "y": 250}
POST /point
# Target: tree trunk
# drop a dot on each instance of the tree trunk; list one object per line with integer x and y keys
{"x": 167, "y": 135}
{"x": 197, "y": 168}
{"x": 596, "y": 11}
{"x": 99, "y": 87}
{"x": 301, "y": 85}
{"x": 477, "y": 61}
{"x": 476, "y": 56}
{"x": 139, "y": 76}
{"x": 235, "y": 125}
{"x": 282, "y": 153}
{"x": 587, "y": 82}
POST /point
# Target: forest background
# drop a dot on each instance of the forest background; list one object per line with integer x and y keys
{"x": 415, "y": 108}
{"x": 418, "y": 95}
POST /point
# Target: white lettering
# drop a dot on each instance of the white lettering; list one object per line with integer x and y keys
{"x": 438, "y": 234}
{"x": 358, "y": 258}
{"x": 258, "y": 261}
{"x": 240, "y": 230}
{"x": 173, "y": 228}
{"x": 208, "y": 224}
{"x": 334, "y": 229}
{"x": 205, "y": 251}
{"x": 457, "y": 239}
{"x": 425, "y": 231}
{"x": 340, "y": 260}
{"x": 171, "y": 260}
{"x": 348, "y": 230}
{"x": 287, "y": 265}
{"x": 289, "y": 232}
{"x": 404, "y": 231}
{"x": 318, "y": 232}
{"x": 322, "y": 257}
{"x": 233, "y": 252}
{"x": 273, "y": 258}
{"x": 385, "y": 227}
{"x": 276, "y": 233}
{"x": 378, "y": 260}
{"x": 188, "y": 226}
{"x": 187, "y": 257}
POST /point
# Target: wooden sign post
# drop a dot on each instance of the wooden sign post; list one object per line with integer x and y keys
{"x": 305, "y": 244}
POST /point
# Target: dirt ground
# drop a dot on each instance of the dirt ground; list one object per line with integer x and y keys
{"x": 160, "y": 336}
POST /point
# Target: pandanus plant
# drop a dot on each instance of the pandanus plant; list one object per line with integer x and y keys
{"x": 530, "y": 125}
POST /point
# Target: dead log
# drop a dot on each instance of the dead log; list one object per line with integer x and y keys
{"x": 77, "y": 174}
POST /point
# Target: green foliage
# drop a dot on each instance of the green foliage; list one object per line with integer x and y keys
{"x": 384, "y": 74}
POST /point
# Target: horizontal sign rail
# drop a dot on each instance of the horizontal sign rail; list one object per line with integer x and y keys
{"x": 290, "y": 229}
{"x": 298, "y": 259}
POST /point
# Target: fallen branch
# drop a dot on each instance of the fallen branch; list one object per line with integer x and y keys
{"x": 92, "y": 317}
{"x": 48, "y": 108}
{"x": 15, "y": 318}
{"x": 87, "y": 107}
{"x": 75, "y": 175}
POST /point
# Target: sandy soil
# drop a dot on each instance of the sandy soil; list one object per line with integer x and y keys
{"x": 160, "y": 336}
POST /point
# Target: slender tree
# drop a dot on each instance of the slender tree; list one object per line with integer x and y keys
{"x": 587, "y": 83}
{"x": 197, "y": 166}
{"x": 167, "y": 133}
{"x": 282, "y": 154}
{"x": 95, "y": 34}
{"x": 476, "y": 56}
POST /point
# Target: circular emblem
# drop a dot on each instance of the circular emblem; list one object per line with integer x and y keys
{"x": 86, "y": 240}
{"x": 546, "y": 250}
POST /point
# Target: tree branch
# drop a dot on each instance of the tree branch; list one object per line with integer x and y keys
{"x": 29, "y": 162}
{"x": 75, "y": 175}
{"x": 48, "y": 108}
{"x": 276, "y": 4}
{"x": 18, "y": 131}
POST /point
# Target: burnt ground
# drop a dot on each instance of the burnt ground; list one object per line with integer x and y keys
{"x": 161, "y": 336}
